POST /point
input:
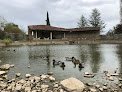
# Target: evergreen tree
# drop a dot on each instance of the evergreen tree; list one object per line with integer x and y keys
{"x": 95, "y": 19}
{"x": 82, "y": 22}
{"x": 48, "y": 21}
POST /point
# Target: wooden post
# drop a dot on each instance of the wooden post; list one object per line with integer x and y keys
{"x": 64, "y": 35}
{"x": 51, "y": 35}
{"x": 36, "y": 35}
{"x": 30, "y": 34}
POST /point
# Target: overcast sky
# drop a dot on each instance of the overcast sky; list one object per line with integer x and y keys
{"x": 62, "y": 13}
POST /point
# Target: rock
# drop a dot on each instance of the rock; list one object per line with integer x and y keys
{"x": 116, "y": 90}
{"x": 22, "y": 81}
{"x": 11, "y": 66}
{"x": 105, "y": 72}
{"x": 37, "y": 79}
{"x": 1, "y": 79}
{"x": 89, "y": 84}
{"x": 18, "y": 87}
{"x": 97, "y": 86}
{"x": 5, "y": 67}
{"x": 31, "y": 79}
{"x": 44, "y": 86}
{"x": 50, "y": 73}
{"x": 86, "y": 73}
{"x": 9, "y": 88}
{"x": 89, "y": 76}
{"x": 28, "y": 75}
{"x": 120, "y": 85}
{"x": 2, "y": 72}
{"x": 72, "y": 85}
{"x": 108, "y": 75}
{"x": 44, "y": 76}
{"x": 56, "y": 86}
{"x": 101, "y": 89}
{"x": 52, "y": 79}
{"x": 13, "y": 80}
{"x": 105, "y": 84}
{"x": 111, "y": 78}
{"x": 5, "y": 77}
{"x": 28, "y": 66}
{"x": 3, "y": 85}
{"x": 105, "y": 88}
{"x": 34, "y": 91}
{"x": 18, "y": 74}
{"x": 93, "y": 90}
{"x": 114, "y": 74}
{"x": 27, "y": 89}
{"x": 61, "y": 90}
{"x": 120, "y": 79}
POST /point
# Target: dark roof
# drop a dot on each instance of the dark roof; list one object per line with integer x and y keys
{"x": 51, "y": 28}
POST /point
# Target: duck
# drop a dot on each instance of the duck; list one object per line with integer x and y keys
{"x": 81, "y": 65}
{"x": 68, "y": 59}
{"x": 62, "y": 64}
{"x": 75, "y": 61}
{"x": 56, "y": 62}
{"x": 45, "y": 58}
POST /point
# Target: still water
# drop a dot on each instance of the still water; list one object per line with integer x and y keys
{"x": 96, "y": 59}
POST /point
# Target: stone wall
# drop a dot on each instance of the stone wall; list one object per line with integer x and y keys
{"x": 111, "y": 37}
{"x": 86, "y": 35}
{"x": 16, "y": 36}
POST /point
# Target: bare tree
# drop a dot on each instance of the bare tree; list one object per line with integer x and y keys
{"x": 2, "y": 23}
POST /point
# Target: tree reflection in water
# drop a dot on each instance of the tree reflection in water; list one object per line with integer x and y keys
{"x": 119, "y": 52}
{"x": 95, "y": 58}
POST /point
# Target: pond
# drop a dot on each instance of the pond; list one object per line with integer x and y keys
{"x": 96, "y": 59}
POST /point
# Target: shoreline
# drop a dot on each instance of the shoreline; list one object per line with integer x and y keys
{"x": 58, "y": 42}
{"x": 47, "y": 83}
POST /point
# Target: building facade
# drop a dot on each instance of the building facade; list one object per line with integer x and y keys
{"x": 49, "y": 32}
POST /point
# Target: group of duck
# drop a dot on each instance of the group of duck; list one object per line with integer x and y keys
{"x": 62, "y": 64}
{"x": 73, "y": 59}
{"x": 76, "y": 61}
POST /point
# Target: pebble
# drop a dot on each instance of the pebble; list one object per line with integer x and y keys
{"x": 50, "y": 73}
{"x": 18, "y": 74}
{"x": 101, "y": 89}
{"x": 93, "y": 90}
{"x": 111, "y": 78}
{"x": 105, "y": 88}
{"x": 28, "y": 75}
{"x": 97, "y": 86}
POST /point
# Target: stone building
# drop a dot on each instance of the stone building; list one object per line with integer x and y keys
{"x": 50, "y": 32}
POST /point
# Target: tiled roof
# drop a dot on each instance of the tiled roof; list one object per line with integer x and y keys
{"x": 51, "y": 28}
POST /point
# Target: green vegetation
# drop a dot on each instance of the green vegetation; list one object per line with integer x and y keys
{"x": 94, "y": 20}
{"x": 9, "y": 31}
{"x": 116, "y": 30}
{"x": 82, "y": 22}
{"x": 6, "y": 40}
{"x": 12, "y": 28}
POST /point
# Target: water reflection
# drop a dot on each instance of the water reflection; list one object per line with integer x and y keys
{"x": 95, "y": 58}
{"x": 119, "y": 52}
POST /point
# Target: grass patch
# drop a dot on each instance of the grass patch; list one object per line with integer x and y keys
{"x": 6, "y": 40}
